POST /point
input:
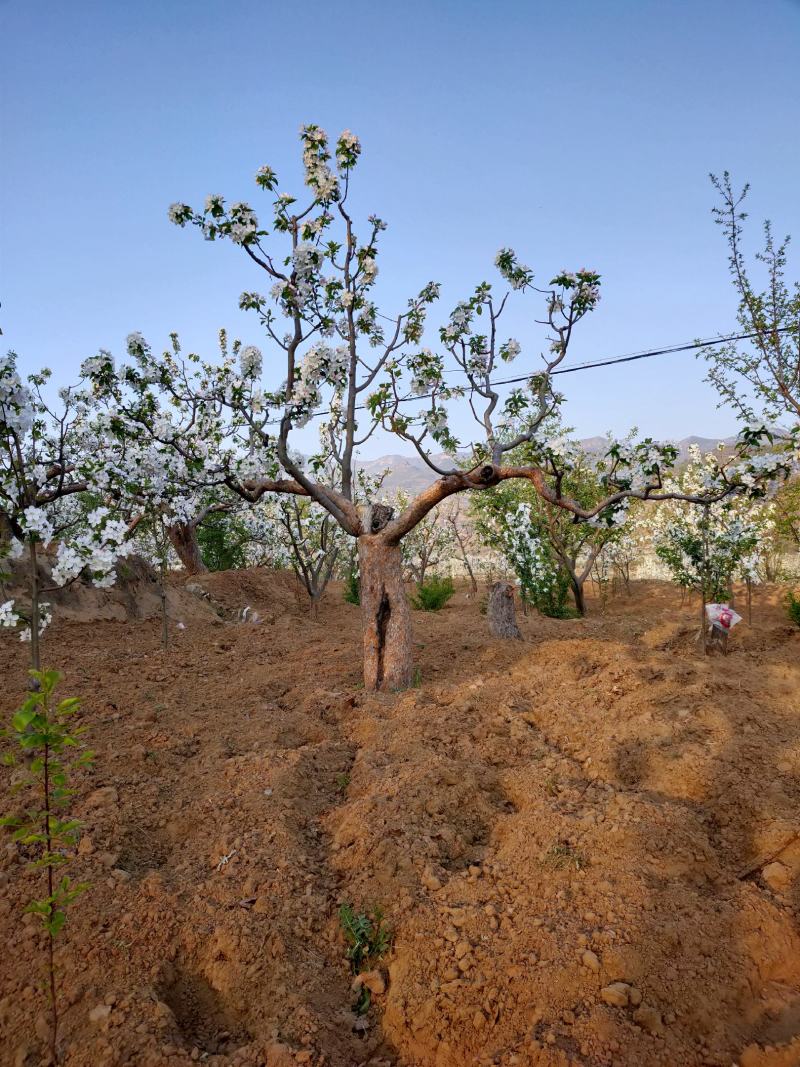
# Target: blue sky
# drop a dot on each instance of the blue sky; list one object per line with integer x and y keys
{"x": 579, "y": 134}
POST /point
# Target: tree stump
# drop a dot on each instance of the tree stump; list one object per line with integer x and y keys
{"x": 500, "y": 611}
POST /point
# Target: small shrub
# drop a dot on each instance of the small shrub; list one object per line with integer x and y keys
{"x": 793, "y": 608}
{"x": 551, "y": 598}
{"x": 433, "y": 594}
{"x": 352, "y": 588}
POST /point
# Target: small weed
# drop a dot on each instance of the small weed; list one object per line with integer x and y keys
{"x": 562, "y": 855}
{"x": 551, "y": 784}
{"x": 342, "y": 782}
{"x": 368, "y": 939}
{"x": 352, "y": 588}
{"x": 416, "y": 678}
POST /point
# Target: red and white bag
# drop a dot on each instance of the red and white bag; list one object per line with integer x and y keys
{"x": 722, "y": 617}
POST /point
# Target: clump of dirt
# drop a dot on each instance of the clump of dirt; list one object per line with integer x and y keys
{"x": 586, "y": 844}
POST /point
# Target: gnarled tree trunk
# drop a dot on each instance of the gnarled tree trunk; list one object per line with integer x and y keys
{"x": 386, "y": 616}
{"x": 183, "y": 537}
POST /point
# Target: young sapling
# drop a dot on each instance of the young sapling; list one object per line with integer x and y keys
{"x": 48, "y": 748}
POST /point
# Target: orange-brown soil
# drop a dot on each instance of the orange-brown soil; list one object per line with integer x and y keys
{"x": 540, "y": 821}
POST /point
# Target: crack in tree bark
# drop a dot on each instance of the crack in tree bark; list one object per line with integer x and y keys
{"x": 381, "y": 625}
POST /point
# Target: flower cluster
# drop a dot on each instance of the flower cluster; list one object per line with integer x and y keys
{"x": 583, "y": 287}
{"x": 528, "y": 555}
{"x": 250, "y": 361}
{"x": 37, "y": 524}
{"x": 94, "y": 550}
{"x": 348, "y": 149}
{"x": 45, "y": 618}
{"x": 321, "y": 364}
{"x": 319, "y": 176}
{"x": 239, "y": 222}
{"x": 16, "y": 401}
{"x": 515, "y": 273}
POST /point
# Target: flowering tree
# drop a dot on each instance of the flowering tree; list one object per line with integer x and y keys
{"x": 428, "y": 545}
{"x": 530, "y": 557}
{"x": 759, "y": 378}
{"x": 616, "y": 560}
{"x": 363, "y": 369}
{"x": 266, "y": 538}
{"x": 552, "y": 537}
{"x": 315, "y": 543}
{"x": 707, "y": 546}
{"x": 464, "y": 541}
{"x": 44, "y": 482}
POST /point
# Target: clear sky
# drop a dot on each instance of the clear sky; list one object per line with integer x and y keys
{"x": 579, "y": 134}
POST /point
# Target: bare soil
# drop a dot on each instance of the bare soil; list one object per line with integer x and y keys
{"x": 540, "y": 820}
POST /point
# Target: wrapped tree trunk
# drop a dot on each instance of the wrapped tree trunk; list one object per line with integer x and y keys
{"x": 500, "y": 611}
{"x": 183, "y": 538}
{"x": 386, "y": 616}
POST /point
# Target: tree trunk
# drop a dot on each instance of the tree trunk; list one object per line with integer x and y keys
{"x": 164, "y": 616}
{"x": 472, "y": 579}
{"x": 183, "y": 538}
{"x": 500, "y": 612}
{"x": 577, "y": 592}
{"x": 36, "y": 614}
{"x": 388, "y": 660}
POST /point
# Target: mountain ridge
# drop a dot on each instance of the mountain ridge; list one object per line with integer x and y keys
{"x": 410, "y": 473}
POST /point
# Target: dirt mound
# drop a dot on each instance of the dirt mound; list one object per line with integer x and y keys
{"x": 136, "y": 594}
{"x": 270, "y": 595}
{"x": 586, "y": 844}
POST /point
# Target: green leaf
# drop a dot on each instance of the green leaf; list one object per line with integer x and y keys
{"x": 22, "y": 719}
{"x": 56, "y": 923}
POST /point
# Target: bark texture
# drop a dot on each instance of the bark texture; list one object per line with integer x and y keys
{"x": 388, "y": 661}
{"x": 500, "y": 612}
{"x": 183, "y": 537}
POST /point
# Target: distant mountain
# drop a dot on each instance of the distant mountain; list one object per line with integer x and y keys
{"x": 412, "y": 475}
{"x": 409, "y": 473}
{"x": 597, "y": 445}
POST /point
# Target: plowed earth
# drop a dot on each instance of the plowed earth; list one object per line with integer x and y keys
{"x": 598, "y": 806}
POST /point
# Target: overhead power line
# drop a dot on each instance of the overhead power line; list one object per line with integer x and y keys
{"x": 711, "y": 342}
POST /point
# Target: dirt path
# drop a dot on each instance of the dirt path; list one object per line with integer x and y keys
{"x": 583, "y": 843}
